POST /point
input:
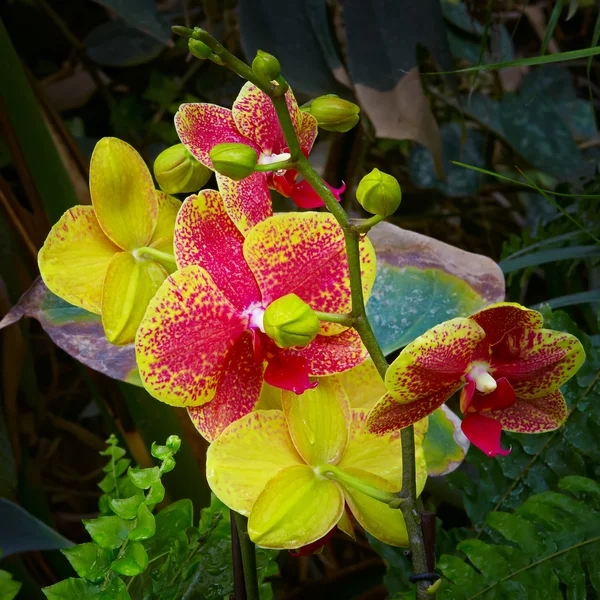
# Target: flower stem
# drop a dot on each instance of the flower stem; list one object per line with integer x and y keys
{"x": 341, "y": 319}
{"x": 282, "y": 164}
{"x": 248, "y": 557}
{"x": 164, "y": 258}
{"x": 339, "y": 475}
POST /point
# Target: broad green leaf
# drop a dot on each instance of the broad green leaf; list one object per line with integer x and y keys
{"x": 144, "y": 478}
{"x": 591, "y": 296}
{"x": 89, "y": 561}
{"x": 73, "y": 589}
{"x": 127, "y": 508}
{"x": 108, "y": 532}
{"x": 422, "y": 282}
{"x": 145, "y": 525}
{"x": 9, "y": 588}
{"x": 170, "y": 521}
{"x": 132, "y": 562}
{"x": 549, "y": 256}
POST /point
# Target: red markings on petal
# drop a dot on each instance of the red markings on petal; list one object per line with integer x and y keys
{"x": 500, "y": 318}
{"x": 206, "y": 236}
{"x": 307, "y": 132}
{"x": 289, "y": 372}
{"x": 203, "y": 126}
{"x": 237, "y": 392}
{"x": 502, "y": 397}
{"x": 466, "y": 395}
{"x": 330, "y": 354}
{"x": 484, "y": 433}
{"x": 304, "y": 196}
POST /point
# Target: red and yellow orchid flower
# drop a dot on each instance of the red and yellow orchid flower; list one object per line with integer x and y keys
{"x": 252, "y": 121}
{"x": 296, "y": 472}
{"x": 201, "y": 343}
{"x": 111, "y": 257}
{"x": 510, "y": 369}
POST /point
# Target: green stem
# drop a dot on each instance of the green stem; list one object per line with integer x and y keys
{"x": 365, "y": 225}
{"x": 282, "y": 164}
{"x": 248, "y": 557}
{"x": 337, "y": 474}
{"x": 164, "y": 258}
{"x": 345, "y": 320}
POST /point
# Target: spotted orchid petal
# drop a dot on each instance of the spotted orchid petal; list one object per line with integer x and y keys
{"x": 304, "y": 254}
{"x": 537, "y": 362}
{"x": 307, "y": 131}
{"x": 206, "y": 236}
{"x": 129, "y": 286}
{"x": 381, "y": 521}
{"x": 363, "y": 384}
{"x": 247, "y": 454}
{"x": 297, "y": 507}
{"x": 304, "y": 196}
{"x": 432, "y": 364}
{"x": 484, "y": 432}
{"x": 188, "y": 328}
{"x": 319, "y": 420}
{"x": 74, "y": 258}
{"x": 201, "y": 127}
{"x": 389, "y": 414}
{"x": 534, "y": 415}
{"x": 162, "y": 238}
{"x": 123, "y": 194}
{"x": 247, "y": 202}
{"x": 237, "y": 392}
{"x": 255, "y": 118}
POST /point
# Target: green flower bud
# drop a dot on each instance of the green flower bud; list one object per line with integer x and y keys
{"x": 198, "y": 49}
{"x": 235, "y": 161}
{"x": 334, "y": 114}
{"x": 379, "y": 193}
{"x": 289, "y": 321}
{"x": 266, "y": 66}
{"x": 177, "y": 171}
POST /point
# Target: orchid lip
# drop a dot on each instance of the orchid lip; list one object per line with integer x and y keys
{"x": 484, "y": 382}
{"x": 256, "y": 317}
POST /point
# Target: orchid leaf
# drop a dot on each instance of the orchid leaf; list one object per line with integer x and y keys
{"x": 422, "y": 282}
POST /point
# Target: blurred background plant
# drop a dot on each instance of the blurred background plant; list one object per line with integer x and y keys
{"x": 73, "y": 71}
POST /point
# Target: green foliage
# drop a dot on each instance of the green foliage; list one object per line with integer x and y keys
{"x": 9, "y": 588}
{"x": 550, "y": 545}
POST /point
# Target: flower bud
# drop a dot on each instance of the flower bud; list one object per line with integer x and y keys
{"x": 334, "y": 114}
{"x": 235, "y": 161}
{"x": 289, "y": 321}
{"x": 266, "y": 66}
{"x": 177, "y": 171}
{"x": 379, "y": 193}
{"x": 198, "y": 49}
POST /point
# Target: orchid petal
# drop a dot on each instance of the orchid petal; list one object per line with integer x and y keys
{"x": 537, "y": 362}
{"x": 129, "y": 286}
{"x": 319, "y": 420}
{"x": 307, "y": 131}
{"x": 247, "y": 202}
{"x": 315, "y": 547}
{"x": 74, "y": 258}
{"x": 305, "y": 254}
{"x": 247, "y": 454}
{"x": 381, "y": 521}
{"x": 237, "y": 392}
{"x": 331, "y": 354}
{"x": 270, "y": 398}
{"x": 206, "y": 236}
{"x": 484, "y": 432}
{"x": 304, "y": 196}
{"x": 297, "y": 507}
{"x": 201, "y": 127}
{"x": 389, "y": 414}
{"x": 466, "y": 396}
{"x": 501, "y": 317}
{"x": 501, "y": 398}
{"x": 123, "y": 194}
{"x": 363, "y": 384}
{"x": 187, "y": 331}
{"x": 346, "y": 525}
{"x": 289, "y": 372}
{"x": 256, "y": 118}
{"x": 433, "y": 363}
{"x": 533, "y": 416}
{"x": 162, "y": 238}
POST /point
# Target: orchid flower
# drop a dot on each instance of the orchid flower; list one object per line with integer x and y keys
{"x": 111, "y": 257}
{"x": 510, "y": 369}
{"x": 296, "y": 472}
{"x": 252, "y": 121}
{"x": 202, "y": 343}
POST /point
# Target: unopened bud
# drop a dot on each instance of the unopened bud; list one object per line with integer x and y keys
{"x": 266, "y": 66}
{"x": 289, "y": 321}
{"x": 235, "y": 161}
{"x": 198, "y": 49}
{"x": 178, "y": 172}
{"x": 334, "y": 114}
{"x": 379, "y": 193}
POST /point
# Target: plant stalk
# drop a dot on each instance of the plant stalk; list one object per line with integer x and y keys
{"x": 248, "y": 552}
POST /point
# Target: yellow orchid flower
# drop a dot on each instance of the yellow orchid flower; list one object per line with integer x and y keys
{"x": 111, "y": 257}
{"x": 294, "y": 471}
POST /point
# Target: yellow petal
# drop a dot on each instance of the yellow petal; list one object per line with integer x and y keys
{"x": 381, "y": 521}
{"x": 318, "y": 420}
{"x": 363, "y": 384}
{"x": 270, "y": 398}
{"x": 346, "y": 525}
{"x": 296, "y": 508}
{"x": 129, "y": 286}
{"x": 123, "y": 194}
{"x": 74, "y": 258}
{"x": 162, "y": 238}
{"x": 248, "y": 453}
